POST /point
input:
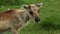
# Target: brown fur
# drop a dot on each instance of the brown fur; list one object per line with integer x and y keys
{"x": 9, "y": 20}
{"x": 6, "y": 17}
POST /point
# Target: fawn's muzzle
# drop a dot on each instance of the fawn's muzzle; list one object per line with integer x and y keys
{"x": 37, "y": 19}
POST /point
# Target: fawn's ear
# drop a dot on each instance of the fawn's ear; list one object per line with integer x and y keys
{"x": 39, "y": 5}
{"x": 26, "y": 7}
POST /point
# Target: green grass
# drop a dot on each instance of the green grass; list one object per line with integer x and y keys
{"x": 49, "y": 15}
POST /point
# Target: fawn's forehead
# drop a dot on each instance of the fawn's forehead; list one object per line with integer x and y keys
{"x": 34, "y": 7}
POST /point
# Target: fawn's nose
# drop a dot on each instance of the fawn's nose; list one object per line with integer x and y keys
{"x": 37, "y": 19}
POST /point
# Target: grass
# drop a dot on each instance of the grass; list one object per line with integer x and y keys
{"x": 49, "y": 15}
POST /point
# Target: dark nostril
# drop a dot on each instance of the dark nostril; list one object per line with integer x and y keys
{"x": 37, "y": 19}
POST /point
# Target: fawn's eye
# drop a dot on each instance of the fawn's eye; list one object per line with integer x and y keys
{"x": 31, "y": 12}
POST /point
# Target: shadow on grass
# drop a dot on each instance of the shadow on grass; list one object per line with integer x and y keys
{"x": 49, "y": 25}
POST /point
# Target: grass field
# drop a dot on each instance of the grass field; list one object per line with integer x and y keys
{"x": 49, "y": 15}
